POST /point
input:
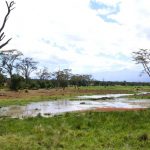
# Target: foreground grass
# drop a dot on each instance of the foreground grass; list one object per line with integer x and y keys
{"x": 84, "y": 130}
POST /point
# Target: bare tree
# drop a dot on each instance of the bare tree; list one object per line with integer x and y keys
{"x": 43, "y": 74}
{"x": 8, "y": 60}
{"x": 143, "y": 57}
{"x": 26, "y": 67}
{"x": 10, "y": 7}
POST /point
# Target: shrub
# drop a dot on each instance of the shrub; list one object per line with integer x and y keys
{"x": 2, "y": 80}
{"x": 17, "y": 82}
{"x": 33, "y": 84}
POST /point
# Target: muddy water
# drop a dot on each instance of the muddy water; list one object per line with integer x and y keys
{"x": 106, "y": 96}
{"x": 50, "y": 108}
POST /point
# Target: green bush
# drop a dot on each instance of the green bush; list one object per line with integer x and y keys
{"x": 2, "y": 80}
{"x": 33, "y": 84}
{"x": 45, "y": 84}
{"x": 17, "y": 82}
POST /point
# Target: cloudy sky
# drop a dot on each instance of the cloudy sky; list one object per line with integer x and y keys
{"x": 89, "y": 36}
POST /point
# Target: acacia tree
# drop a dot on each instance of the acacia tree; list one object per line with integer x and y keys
{"x": 80, "y": 80}
{"x": 43, "y": 74}
{"x": 62, "y": 77}
{"x": 10, "y": 7}
{"x": 26, "y": 66}
{"x": 143, "y": 57}
{"x": 8, "y": 60}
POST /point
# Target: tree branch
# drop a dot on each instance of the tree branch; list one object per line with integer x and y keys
{"x": 1, "y": 46}
{"x": 10, "y": 8}
{"x": 2, "y": 36}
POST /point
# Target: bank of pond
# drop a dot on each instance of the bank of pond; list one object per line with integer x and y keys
{"x": 80, "y": 103}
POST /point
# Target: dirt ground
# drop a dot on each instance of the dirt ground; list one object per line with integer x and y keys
{"x": 118, "y": 109}
{"x": 24, "y": 94}
{"x": 27, "y": 94}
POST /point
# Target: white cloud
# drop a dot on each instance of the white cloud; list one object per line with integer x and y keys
{"x": 72, "y": 31}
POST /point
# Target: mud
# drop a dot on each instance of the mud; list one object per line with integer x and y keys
{"x": 51, "y": 108}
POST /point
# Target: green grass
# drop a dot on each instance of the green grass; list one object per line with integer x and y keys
{"x": 24, "y": 101}
{"x": 85, "y": 131}
{"x": 107, "y": 90}
{"x": 132, "y": 89}
{"x": 140, "y": 96}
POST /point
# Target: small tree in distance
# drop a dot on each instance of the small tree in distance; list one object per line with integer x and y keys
{"x": 80, "y": 80}
{"x": 8, "y": 60}
{"x": 43, "y": 74}
{"x": 62, "y": 77}
{"x": 143, "y": 57}
{"x": 26, "y": 66}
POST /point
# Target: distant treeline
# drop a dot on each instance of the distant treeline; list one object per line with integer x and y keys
{"x": 122, "y": 83}
{"x": 18, "y": 82}
{"x": 15, "y": 73}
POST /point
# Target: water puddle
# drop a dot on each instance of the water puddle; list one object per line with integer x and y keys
{"x": 103, "y": 97}
{"x": 51, "y": 108}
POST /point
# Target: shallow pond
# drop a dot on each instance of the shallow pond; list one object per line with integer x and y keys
{"x": 50, "y": 108}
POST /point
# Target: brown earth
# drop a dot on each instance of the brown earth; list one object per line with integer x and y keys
{"x": 26, "y": 94}
{"x": 43, "y": 93}
{"x": 118, "y": 109}
{"x": 111, "y": 109}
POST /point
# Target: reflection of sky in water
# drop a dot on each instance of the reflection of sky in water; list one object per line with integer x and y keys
{"x": 58, "y": 107}
{"x": 101, "y": 96}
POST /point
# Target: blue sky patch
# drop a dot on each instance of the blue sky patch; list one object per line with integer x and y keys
{"x": 107, "y": 19}
{"x": 97, "y": 5}
{"x": 110, "y": 10}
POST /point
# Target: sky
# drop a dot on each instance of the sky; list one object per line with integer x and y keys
{"x": 94, "y": 37}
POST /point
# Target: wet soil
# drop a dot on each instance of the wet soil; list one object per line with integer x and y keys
{"x": 117, "y": 109}
{"x": 50, "y": 108}
{"x": 26, "y": 94}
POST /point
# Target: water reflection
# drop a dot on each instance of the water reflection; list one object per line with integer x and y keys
{"x": 50, "y": 108}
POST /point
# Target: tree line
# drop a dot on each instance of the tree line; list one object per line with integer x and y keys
{"x": 15, "y": 72}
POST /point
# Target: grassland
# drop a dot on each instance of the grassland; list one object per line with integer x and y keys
{"x": 119, "y": 130}
{"x": 23, "y": 97}
{"x": 84, "y": 130}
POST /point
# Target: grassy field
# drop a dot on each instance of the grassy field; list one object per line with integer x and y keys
{"x": 118, "y": 88}
{"x": 23, "y": 97}
{"x": 84, "y": 130}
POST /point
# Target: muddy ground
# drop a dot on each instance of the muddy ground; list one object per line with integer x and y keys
{"x": 26, "y": 94}
{"x": 60, "y": 93}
